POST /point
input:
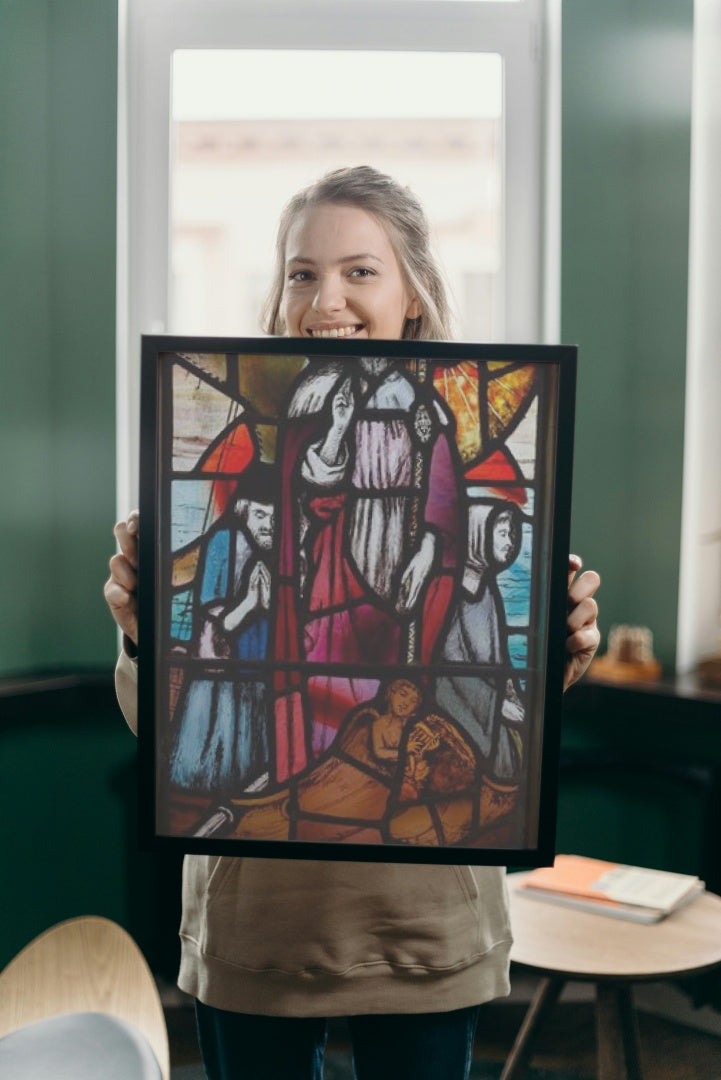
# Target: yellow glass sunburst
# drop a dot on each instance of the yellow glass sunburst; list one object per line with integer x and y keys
{"x": 509, "y": 390}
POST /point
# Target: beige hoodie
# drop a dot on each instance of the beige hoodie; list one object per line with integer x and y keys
{"x": 291, "y": 937}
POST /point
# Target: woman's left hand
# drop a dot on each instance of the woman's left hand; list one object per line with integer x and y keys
{"x": 582, "y": 633}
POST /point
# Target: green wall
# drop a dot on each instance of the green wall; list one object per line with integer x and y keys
{"x": 67, "y": 761}
{"x": 625, "y": 167}
{"x": 69, "y": 780}
{"x": 58, "y": 72}
{"x": 626, "y": 136}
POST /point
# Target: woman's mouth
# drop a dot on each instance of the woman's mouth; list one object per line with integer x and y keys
{"x": 334, "y": 331}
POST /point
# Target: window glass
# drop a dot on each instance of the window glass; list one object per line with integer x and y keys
{"x": 251, "y": 127}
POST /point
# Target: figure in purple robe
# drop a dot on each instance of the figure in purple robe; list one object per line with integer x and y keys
{"x": 372, "y": 518}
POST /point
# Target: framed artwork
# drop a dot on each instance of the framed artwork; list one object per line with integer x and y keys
{"x": 352, "y": 597}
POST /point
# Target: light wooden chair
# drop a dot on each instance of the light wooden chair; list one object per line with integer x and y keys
{"x": 80, "y": 975}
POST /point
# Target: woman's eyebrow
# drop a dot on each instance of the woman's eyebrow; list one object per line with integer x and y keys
{"x": 361, "y": 257}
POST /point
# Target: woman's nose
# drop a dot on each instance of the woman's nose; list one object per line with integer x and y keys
{"x": 329, "y": 296}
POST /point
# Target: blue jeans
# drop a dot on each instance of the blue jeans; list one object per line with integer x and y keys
{"x": 413, "y": 1046}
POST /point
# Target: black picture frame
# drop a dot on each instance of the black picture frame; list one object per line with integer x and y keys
{"x": 353, "y": 572}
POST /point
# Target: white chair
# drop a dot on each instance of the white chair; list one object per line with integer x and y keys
{"x": 80, "y": 1002}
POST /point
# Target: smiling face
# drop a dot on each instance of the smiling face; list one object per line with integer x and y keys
{"x": 342, "y": 277}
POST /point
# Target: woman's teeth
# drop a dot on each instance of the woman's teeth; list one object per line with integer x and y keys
{"x": 336, "y": 332}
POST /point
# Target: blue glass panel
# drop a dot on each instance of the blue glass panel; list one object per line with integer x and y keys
{"x": 515, "y": 583}
{"x": 192, "y": 511}
{"x": 181, "y": 615}
{"x": 518, "y": 649}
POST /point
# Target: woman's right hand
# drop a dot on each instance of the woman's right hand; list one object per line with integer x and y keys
{"x": 121, "y": 587}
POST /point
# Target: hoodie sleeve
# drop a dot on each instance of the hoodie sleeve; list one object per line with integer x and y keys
{"x": 126, "y": 688}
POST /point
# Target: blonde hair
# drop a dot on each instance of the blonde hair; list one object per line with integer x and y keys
{"x": 403, "y": 217}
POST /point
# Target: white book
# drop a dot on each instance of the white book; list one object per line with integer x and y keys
{"x": 632, "y": 892}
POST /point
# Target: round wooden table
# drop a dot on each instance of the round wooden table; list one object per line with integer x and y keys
{"x": 562, "y": 944}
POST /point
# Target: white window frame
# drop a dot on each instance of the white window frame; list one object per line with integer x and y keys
{"x": 699, "y": 598}
{"x": 526, "y": 34}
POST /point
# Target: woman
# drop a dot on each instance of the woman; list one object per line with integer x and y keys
{"x": 271, "y": 948}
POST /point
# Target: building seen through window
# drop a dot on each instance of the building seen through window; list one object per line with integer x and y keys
{"x": 236, "y": 160}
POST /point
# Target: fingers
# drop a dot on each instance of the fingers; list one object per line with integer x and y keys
{"x": 575, "y": 562}
{"x": 582, "y": 633}
{"x": 584, "y": 613}
{"x": 265, "y": 586}
{"x": 121, "y": 587}
{"x": 584, "y": 586}
{"x": 123, "y": 573}
{"x": 409, "y": 589}
{"x": 126, "y": 534}
{"x": 116, "y": 595}
{"x": 584, "y": 641}
{"x": 343, "y": 394}
{"x": 123, "y": 608}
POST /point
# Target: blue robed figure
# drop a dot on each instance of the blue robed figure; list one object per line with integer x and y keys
{"x": 221, "y": 741}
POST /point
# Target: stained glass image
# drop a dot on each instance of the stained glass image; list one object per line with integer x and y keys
{"x": 352, "y": 595}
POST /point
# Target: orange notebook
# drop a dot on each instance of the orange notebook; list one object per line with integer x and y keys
{"x": 630, "y": 892}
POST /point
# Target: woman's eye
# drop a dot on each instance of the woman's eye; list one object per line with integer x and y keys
{"x": 362, "y": 272}
{"x": 300, "y": 276}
